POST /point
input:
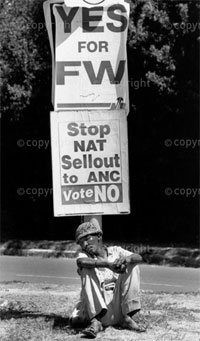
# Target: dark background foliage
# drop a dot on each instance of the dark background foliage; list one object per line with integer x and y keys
{"x": 163, "y": 54}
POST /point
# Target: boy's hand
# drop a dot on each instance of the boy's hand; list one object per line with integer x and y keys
{"x": 119, "y": 265}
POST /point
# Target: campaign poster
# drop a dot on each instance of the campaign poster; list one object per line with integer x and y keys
{"x": 89, "y": 54}
{"x": 90, "y": 162}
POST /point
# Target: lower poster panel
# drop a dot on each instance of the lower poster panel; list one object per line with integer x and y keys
{"x": 90, "y": 162}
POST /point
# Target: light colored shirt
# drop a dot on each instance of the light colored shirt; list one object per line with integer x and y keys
{"x": 105, "y": 274}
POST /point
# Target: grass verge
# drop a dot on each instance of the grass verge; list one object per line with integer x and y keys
{"x": 40, "y": 312}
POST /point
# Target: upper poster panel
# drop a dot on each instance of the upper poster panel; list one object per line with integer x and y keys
{"x": 89, "y": 54}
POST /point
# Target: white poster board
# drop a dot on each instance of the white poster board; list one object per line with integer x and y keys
{"x": 90, "y": 162}
{"x": 89, "y": 57}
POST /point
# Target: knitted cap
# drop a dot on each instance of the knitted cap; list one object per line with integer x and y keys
{"x": 86, "y": 229}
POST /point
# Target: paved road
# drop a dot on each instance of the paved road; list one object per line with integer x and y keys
{"x": 63, "y": 271}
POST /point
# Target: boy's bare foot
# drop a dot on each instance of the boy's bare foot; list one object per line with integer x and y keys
{"x": 94, "y": 328}
{"x": 129, "y": 323}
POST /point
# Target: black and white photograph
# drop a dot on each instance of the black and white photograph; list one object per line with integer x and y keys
{"x": 100, "y": 142}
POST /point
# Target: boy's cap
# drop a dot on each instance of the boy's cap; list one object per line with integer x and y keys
{"x": 86, "y": 229}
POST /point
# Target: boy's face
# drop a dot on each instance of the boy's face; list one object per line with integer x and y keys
{"x": 90, "y": 243}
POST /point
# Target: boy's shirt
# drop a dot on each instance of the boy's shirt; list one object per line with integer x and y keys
{"x": 105, "y": 274}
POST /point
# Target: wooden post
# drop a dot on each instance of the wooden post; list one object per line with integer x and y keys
{"x": 95, "y": 219}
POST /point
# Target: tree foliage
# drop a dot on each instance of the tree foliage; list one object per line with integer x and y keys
{"x": 25, "y": 55}
{"x": 163, "y": 40}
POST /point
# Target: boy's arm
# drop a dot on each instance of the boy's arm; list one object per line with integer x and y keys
{"x": 90, "y": 263}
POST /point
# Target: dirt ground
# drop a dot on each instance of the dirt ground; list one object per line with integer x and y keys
{"x": 39, "y": 312}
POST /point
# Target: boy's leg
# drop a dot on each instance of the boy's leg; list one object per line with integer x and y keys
{"x": 94, "y": 302}
{"x": 126, "y": 301}
{"x": 129, "y": 287}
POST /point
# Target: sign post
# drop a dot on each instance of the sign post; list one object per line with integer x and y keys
{"x": 91, "y": 103}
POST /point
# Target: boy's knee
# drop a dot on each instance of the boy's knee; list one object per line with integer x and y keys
{"x": 133, "y": 268}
